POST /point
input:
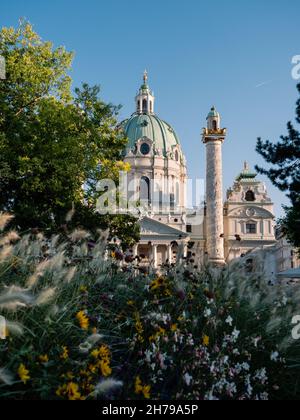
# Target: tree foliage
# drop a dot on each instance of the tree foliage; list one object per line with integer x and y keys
{"x": 53, "y": 142}
{"x": 285, "y": 173}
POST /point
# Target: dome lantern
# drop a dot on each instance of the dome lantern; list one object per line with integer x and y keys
{"x": 145, "y": 98}
{"x": 213, "y": 120}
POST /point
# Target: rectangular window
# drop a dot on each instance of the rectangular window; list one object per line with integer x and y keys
{"x": 251, "y": 228}
{"x": 189, "y": 228}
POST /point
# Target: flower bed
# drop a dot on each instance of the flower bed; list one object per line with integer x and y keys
{"x": 82, "y": 326}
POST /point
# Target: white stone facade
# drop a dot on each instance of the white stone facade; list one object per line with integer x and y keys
{"x": 244, "y": 223}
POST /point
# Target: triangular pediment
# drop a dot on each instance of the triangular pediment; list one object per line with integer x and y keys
{"x": 151, "y": 227}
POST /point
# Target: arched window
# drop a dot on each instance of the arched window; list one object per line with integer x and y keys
{"x": 138, "y": 105}
{"x": 150, "y": 106}
{"x": 144, "y": 105}
{"x": 215, "y": 125}
{"x": 160, "y": 201}
{"x": 177, "y": 198}
{"x": 176, "y": 156}
{"x": 145, "y": 195}
{"x": 250, "y": 196}
{"x": 172, "y": 202}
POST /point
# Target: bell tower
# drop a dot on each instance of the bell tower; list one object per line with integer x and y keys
{"x": 213, "y": 137}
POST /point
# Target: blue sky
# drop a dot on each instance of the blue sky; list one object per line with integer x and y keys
{"x": 233, "y": 54}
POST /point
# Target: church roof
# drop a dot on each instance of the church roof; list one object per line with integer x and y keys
{"x": 213, "y": 113}
{"x": 144, "y": 123}
{"x": 152, "y": 127}
{"x": 247, "y": 175}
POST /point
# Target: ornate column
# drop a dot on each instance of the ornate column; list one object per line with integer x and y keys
{"x": 185, "y": 250}
{"x": 135, "y": 250}
{"x": 213, "y": 138}
{"x": 170, "y": 254}
{"x": 154, "y": 255}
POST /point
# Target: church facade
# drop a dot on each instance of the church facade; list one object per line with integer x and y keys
{"x": 217, "y": 231}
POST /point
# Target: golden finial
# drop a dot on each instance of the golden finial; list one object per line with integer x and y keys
{"x": 145, "y": 77}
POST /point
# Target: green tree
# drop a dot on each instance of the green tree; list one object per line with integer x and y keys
{"x": 285, "y": 173}
{"x": 54, "y": 146}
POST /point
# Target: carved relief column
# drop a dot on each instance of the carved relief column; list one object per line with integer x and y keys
{"x": 213, "y": 138}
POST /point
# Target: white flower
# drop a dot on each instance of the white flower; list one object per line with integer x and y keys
{"x": 246, "y": 366}
{"x": 207, "y": 313}
{"x": 249, "y": 386}
{"x": 188, "y": 379}
{"x": 261, "y": 375}
{"x": 229, "y": 321}
{"x": 148, "y": 355}
{"x": 274, "y": 356}
{"x": 235, "y": 334}
{"x": 256, "y": 341}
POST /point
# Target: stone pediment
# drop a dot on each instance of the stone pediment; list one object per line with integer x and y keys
{"x": 150, "y": 227}
{"x": 251, "y": 212}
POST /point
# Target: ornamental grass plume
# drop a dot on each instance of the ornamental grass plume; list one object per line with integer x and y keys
{"x": 106, "y": 386}
{"x": 6, "y": 253}
{"x": 45, "y": 296}
{"x": 11, "y": 237}
{"x": 79, "y": 235}
{"x": 6, "y": 377}
{"x": 13, "y": 298}
{"x": 103, "y": 332}
{"x": 5, "y": 218}
{"x": 14, "y": 328}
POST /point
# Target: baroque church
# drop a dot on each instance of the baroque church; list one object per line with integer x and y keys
{"x": 217, "y": 231}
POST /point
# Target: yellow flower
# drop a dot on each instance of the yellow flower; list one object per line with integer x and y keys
{"x": 105, "y": 368}
{"x": 139, "y": 388}
{"x": 113, "y": 255}
{"x": 206, "y": 341}
{"x": 65, "y": 354}
{"x": 157, "y": 283}
{"x": 43, "y": 358}
{"x": 174, "y": 327}
{"x": 95, "y": 353}
{"x": 161, "y": 331}
{"x": 83, "y": 320}
{"x": 73, "y": 393}
{"x": 146, "y": 391}
{"x": 139, "y": 326}
{"x": 130, "y": 303}
{"x": 104, "y": 352}
{"x": 71, "y": 390}
{"x": 83, "y": 289}
{"x": 138, "y": 385}
{"x": 61, "y": 390}
{"x": 93, "y": 368}
{"x": 23, "y": 374}
{"x": 69, "y": 375}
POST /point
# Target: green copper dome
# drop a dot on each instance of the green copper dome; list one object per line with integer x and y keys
{"x": 247, "y": 175}
{"x": 213, "y": 113}
{"x": 150, "y": 126}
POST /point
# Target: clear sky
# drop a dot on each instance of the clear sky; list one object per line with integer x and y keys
{"x": 234, "y": 54}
